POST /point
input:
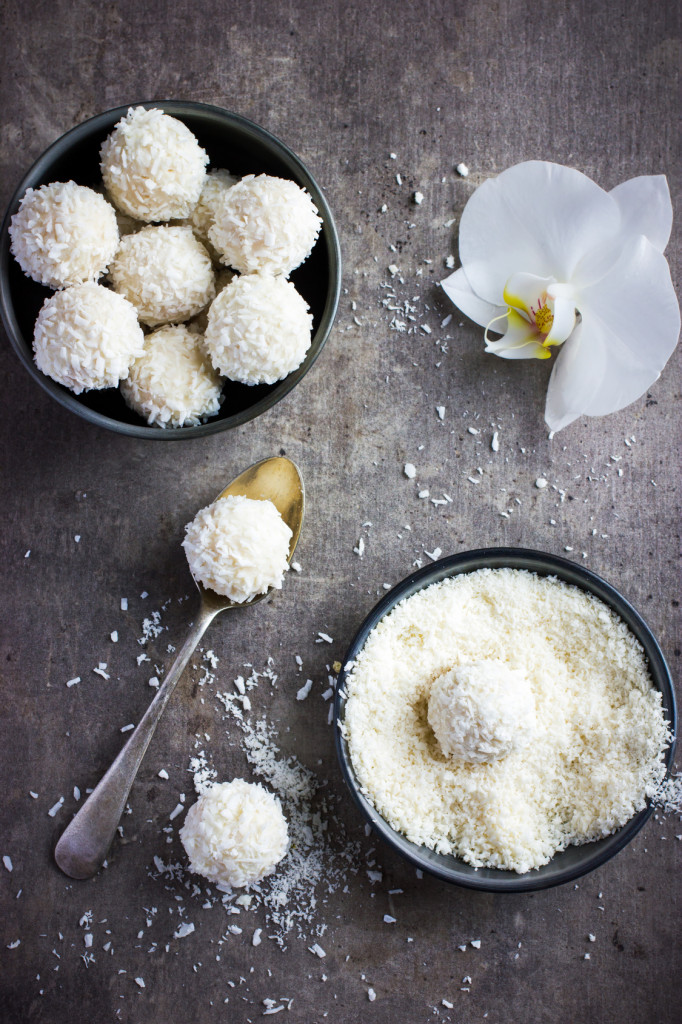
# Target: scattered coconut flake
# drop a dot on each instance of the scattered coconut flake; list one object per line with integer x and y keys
{"x": 114, "y": 637}
{"x": 371, "y": 995}
{"x": 305, "y": 690}
{"x": 140, "y": 982}
{"x": 185, "y": 929}
{"x": 495, "y": 443}
{"x": 476, "y": 943}
{"x": 72, "y": 682}
{"x": 440, "y": 409}
{"x": 178, "y": 809}
{"x": 418, "y": 198}
{"x": 324, "y": 638}
{"x": 56, "y": 807}
{"x": 297, "y": 567}
{"x": 124, "y": 604}
{"x": 7, "y": 861}
{"x": 256, "y": 940}
{"x": 14, "y": 945}
{"x": 389, "y": 920}
{"x": 317, "y": 950}
{"x": 409, "y": 470}
{"x": 540, "y": 483}
{"x": 127, "y": 728}
{"x": 462, "y": 170}
{"x": 473, "y": 430}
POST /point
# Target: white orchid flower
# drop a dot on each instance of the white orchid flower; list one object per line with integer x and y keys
{"x": 566, "y": 264}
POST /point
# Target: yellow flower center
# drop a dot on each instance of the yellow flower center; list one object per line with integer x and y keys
{"x": 544, "y": 318}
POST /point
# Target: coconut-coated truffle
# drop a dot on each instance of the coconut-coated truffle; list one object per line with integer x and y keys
{"x": 64, "y": 234}
{"x": 264, "y": 223}
{"x": 481, "y": 711}
{"x": 259, "y": 329}
{"x": 238, "y": 547}
{"x": 202, "y": 217}
{"x": 152, "y": 165}
{"x": 235, "y": 834}
{"x": 173, "y": 384}
{"x": 165, "y": 272}
{"x": 86, "y": 337}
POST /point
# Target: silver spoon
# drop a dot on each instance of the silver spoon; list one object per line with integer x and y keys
{"x": 84, "y": 844}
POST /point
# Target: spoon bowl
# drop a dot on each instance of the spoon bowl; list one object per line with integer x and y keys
{"x": 84, "y": 844}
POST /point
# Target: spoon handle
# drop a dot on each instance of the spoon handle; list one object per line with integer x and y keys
{"x": 85, "y": 842}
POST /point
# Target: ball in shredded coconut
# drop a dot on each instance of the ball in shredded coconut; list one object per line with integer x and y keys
{"x": 64, "y": 234}
{"x": 238, "y": 547}
{"x": 152, "y": 165}
{"x": 173, "y": 384}
{"x": 203, "y": 216}
{"x": 259, "y": 329}
{"x": 86, "y": 337}
{"x": 165, "y": 272}
{"x": 235, "y": 834}
{"x": 264, "y": 223}
{"x": 481, "y": 711}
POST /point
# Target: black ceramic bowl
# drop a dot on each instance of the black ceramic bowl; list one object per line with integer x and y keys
{"x": 231, "y": 142}
{"x": 576, "y": 860}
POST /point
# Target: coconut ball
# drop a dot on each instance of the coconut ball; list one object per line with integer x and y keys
{"x": 86, "y": 337}
{"x": 259, "y": 329}
{"x": 235, "y": 834}
{"x": 481, "y": 711}
{"x": 63, "y": 234}
{"x": 264, "y": 223}
{"x": 152, "y": 165}
{"x": 173, "y": 384}
{"x": 202, "y": 217}
{"x": 165, "y": 272}
{"x": 238, "y": 547}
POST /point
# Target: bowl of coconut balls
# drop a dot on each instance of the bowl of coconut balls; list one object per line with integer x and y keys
{"x": 168, "y": 270}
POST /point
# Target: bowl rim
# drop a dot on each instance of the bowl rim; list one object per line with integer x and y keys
{"x": 329, "y": 235}
{"x": 543, "y": 563}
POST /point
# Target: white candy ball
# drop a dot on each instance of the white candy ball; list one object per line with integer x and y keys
{"x": 64, "y": 234}
{"x": 173, "y": 384}
{"x": 259, "y": 329}
{"x": 481, "y": 711}
{"x": 264, "y": 223}
{"x": 202, "y": 217}
{"x": 235, "y": 834}
{"x": 238, "y": 547}
{"x": 165, "y": 272}
{"x": 86, "y": 337}
{"x": 152, "y": 165}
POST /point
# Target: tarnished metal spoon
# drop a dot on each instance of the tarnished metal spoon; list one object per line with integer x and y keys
{"x": 84, "y": 844}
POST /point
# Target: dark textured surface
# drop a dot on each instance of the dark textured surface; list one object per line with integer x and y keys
{"x": 344, "y": 85}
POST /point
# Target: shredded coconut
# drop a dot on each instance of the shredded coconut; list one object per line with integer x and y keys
{"x": 597, "y": 752}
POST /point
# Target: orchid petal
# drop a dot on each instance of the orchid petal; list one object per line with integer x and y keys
{"x": 522, "y": 290}
{"x": 521, "y": 340}
{"x": 630, "y": 325}
{"x": 458, "y": 289}
{"x": 642, "y": 328}
{"x": 577, "y": 375}
{"x": 539, "y": 216}
{"x": 646, "y": 208}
